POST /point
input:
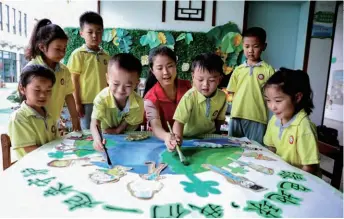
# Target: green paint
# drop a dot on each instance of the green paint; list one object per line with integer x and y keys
{"x": 241, "y": 170}
{"x": 291, "y": 185}
{"x": 59, "y": 154}
{"x": 291, "y": 175}
{"x": 81, "y": 200}
{"x": 40, "y": 182}
{"x": 209, "y": 211}
{"x": 198, "y": 156}
{"x": 88, "y": 145}
{"x": 234, "y": 205}
{"x": 283, "y": 197}
{"x": 333, "y": 60}
{"x": 32, "y": 172}
{"x": 60, "y": 189}
{"x": 263, "y": 208}
{"x": 201, "y": 188}
{"x": 169, "y": 211}
{"x": 114, "y": 208}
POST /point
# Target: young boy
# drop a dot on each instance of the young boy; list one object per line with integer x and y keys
{"x": 88, "y": 66}
{"x": 118, "y": 108}
{"x": 249, "y": 114}
{"x": 202, "y": 109}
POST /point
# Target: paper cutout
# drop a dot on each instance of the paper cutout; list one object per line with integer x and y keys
{"x": 258, "y": 156}
{"x": 100, "y": 177}
{"x": 239, "y": 141}
{"x": 258, "y": 168}
{"x": 68, "y": 162}
{"x": 283, "y": 197}
{"x": 68, "y": 141}
{"x": 209, "y": 144}
{"x": 291, "y": 185}
{"x": 32, "y": 172}
{"x": 209, "y": 211}
{"x": 81, "y": 200}
{"x": 128, "y": 210}
{"x": 201, "y": 188}
{"x": 118, "y": 171}
{"x": 264, "y": 209}
{"x": 291, "y": 175}
{"x": 60, "y": 189}
{"x": 40, "y": 182}
{"x": 153, "y": 173}
{"x": 251, "y": 148}
{"x": 237, "y": 180}
{"x": 240, "y": 170}
{"x": 136, "y": 137}
{"x": 169, "y": 211}
{"x": 64, "y": 148}
{"x": 144, "y": 189}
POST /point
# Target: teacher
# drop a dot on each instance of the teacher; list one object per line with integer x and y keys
{"x": 163, "y": 92}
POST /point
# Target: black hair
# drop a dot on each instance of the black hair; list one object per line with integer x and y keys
{"x": 43, "y": 33}
{"x": 29, "y": 72}
{"x": 162, "y": 51}
{"x": 90, "y": 17}
{"x": 126, "y": 61}
{"x": 255, "y": 32}
{"x": 208, "y": 61}
{"x": 292, "y": 82}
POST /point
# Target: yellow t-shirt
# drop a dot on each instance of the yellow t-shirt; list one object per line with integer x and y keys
{"x": 246, "y": 83}
{"x": 296, "y": 141}
{"x": 106, "y": 111}
{"x": 92, "y": 68}
{"x": 62, "y": 87}
{"x": 28, "y": 128}
{"x": 198, "y": 113}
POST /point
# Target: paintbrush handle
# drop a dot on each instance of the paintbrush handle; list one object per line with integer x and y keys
{"x": 105, "y": 149}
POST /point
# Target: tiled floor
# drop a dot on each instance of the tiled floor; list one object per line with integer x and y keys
{"x": 5, "y": 111}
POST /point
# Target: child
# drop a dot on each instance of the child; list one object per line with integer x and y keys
{"x": 47, "y": 47}
{"x": 118, "y": 108}
{"x": 249, "y": 114}
{"x": 290, "y": 133}
{"x": 32, "y": 125}
{"x": 88, "y": 66}
{"x": 202, "y": 109}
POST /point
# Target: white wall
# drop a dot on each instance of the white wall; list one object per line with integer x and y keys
{"x": 318, "y": 66}
{"x": 148, "y": 14}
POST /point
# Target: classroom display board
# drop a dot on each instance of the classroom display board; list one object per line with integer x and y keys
{"x": 219, "y": 178}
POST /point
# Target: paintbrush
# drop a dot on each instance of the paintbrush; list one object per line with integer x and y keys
{"x": 180, "y": 154}
{"x": 105, "y": 149}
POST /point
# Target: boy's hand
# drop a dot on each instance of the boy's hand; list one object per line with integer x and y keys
{"x": 111, "y": 131}
{"x": 98, "y": 145}
{"x": 172, "y": 141}
{"x": 80, "y": 110}
{"x": 76, "y": 124}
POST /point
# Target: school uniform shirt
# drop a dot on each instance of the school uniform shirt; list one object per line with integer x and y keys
{"x": 106, "y": 111}
{"x": 28, "y": 128}
{"x": 198, "y": 113}
{"x": 296, "y": 141}
{"x": 247, "y": 83}
{"x": 159, "y": 106}
{"x": 92, "y": 67}
{"x": 62, "y": 87}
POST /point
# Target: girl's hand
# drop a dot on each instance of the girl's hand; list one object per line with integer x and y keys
{"x": 171, "y": 141}
{"x": 98, "y": 145}
{"x": 80, "y": 110}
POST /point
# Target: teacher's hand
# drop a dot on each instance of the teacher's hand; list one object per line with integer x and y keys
{"x": 98, "y": 145}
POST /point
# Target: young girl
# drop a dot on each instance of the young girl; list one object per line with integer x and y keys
{"x": 32, "y": 125}
{"x": 290, "y": 132}
{"x": 47, "y": 47}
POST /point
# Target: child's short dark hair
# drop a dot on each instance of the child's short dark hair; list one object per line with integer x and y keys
{"x": 43, "y": 33}
{"x": 31, "y": 71}
{"x": 90, "y": 17}
{"x": 256, "y": 32}
{"x": 292, "y": 82}
{"x": 208, "y": 61}
{"x": 126, "y": 61}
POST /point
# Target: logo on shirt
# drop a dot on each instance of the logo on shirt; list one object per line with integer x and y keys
{"x": 291, "y": 139}
{"x": 261, "y": 77}
{"x": 215, "y": 113}
{"x": 105, "y": 62}
{"x": 53, "y": 129}
{"x": 62, "y": 81}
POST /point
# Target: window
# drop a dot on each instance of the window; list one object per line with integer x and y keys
{"x": 20, "y": 23}
{"x": 8, "y": 18}
{"x": 25, "y": 25}
{"x": 1, "y": 27}
{"x": 14, "y": 21}
{"x": 8, "y": 66}
{"x": 23, "y": 61}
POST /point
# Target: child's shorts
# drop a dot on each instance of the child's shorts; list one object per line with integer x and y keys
{"x": 247, "y": 128}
